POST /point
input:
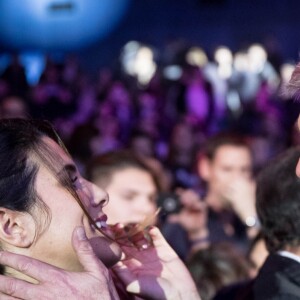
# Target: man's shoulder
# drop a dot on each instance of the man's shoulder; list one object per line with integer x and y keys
{"x": 238, "y": 291}
{"x": 279, "y": 278}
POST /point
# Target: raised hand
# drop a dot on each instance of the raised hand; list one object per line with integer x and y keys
{"x": 240, "y": 194}
{"x": 154, "y": 271}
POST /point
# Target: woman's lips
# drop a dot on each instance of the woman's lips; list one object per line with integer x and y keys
{"x": 101, "y": 222}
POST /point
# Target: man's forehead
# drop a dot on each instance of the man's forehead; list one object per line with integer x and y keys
{"x": 228, "y": 149}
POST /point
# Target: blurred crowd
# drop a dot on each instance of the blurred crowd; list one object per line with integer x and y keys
{"x": 168, "y": 113}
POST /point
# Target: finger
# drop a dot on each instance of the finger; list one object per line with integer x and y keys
{"x": 26, "y": 265}
{"x": 159, "y": 241}
{"x": 12, "y": 288}
{"x": 85, "y": 252}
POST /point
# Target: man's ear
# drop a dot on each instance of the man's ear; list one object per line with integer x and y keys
{"x": 204, "y": 168}
{"x": 17, "y": 228}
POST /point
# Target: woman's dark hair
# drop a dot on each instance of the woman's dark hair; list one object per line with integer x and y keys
{"x": 20, "y": 142}
{"x": 23, "y": 149}
{"x": 278, "y": 201}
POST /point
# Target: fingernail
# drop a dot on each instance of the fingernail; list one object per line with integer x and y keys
{"x": 81, "y": 233}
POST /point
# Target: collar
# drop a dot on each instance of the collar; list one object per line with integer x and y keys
{"x": 290, "y": 255}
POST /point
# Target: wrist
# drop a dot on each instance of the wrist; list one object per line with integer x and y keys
{"x": 200, "y": 241}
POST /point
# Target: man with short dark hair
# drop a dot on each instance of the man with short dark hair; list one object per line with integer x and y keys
{"x": 278, "y": 208}
{"x": 226, "y": 167}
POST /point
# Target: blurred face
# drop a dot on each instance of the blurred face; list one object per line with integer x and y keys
{"x": 132, "y": 194}
{"x": 229, "y": 163}
{"x": 54, "y": 244}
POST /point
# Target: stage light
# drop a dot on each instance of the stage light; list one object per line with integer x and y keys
{"x": 240, "y": 62}
{"x": 138, "y": 60}
{"x": 57, "y": 24}
{"x": 224, "y": 59}
{"x": 172, "y": 72}
{"x": 257, "y": 57}
{"x": 196, "y": 57}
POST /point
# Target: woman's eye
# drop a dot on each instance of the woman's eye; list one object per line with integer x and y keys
{"x": 74, "y": 179}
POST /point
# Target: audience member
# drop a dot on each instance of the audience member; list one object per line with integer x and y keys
{"x": 130, "y": 184}
{"x": 13, "y": 107}
{"x": 133, "y": 189}
{"x": 183, "y": 146}
{"x": 277, "y": 203}
{"x": 226, "y": 166}
{"x": 14, "y": 76}
{"x": 215, "y": 267}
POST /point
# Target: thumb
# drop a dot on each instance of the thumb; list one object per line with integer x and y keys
{"x": 85, "y": 252}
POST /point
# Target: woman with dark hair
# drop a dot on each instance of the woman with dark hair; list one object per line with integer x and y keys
{"x": 38, "y": 185}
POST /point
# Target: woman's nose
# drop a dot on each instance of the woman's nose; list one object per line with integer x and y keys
{"x": 99, "y": 196}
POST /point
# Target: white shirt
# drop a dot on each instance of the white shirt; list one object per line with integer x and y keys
{"x": 289, "y": 255}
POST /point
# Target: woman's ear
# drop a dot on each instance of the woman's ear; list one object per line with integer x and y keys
{"x": 204, "y": 166}
{"x": 17, "y": 228}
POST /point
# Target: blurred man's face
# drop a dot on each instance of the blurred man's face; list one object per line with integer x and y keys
{"x": 132, "y": 193}
{"x": 229, "y": 164}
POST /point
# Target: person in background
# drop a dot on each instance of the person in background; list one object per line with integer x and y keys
{"x": 225, "y": 165}
{"x": 133, "y": 189}
{"x": 130, "y": 184}
{"x": 215, "y": 267}
{"x": 277, "y": 203}
{"x": 278, "y": 194}
{"x": 13, "y": 107}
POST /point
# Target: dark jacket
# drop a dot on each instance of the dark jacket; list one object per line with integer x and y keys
{"x": 278, "y": 279}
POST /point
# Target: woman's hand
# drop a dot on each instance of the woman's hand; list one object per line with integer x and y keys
{"x": 154, "y": 271}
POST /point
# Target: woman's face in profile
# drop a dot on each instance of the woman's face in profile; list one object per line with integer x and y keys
{"x": 54, "y": 245}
